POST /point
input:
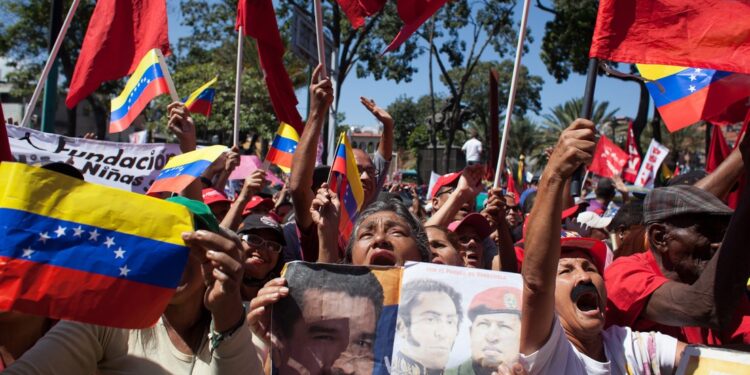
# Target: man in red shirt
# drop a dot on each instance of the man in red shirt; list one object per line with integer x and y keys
{"x": 689, "y": 283}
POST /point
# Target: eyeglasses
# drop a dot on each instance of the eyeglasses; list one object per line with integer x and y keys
{"x": 512, "y": 209}
{"x": 257, "y": 241}
{"x": 370, "y": 170}
{"x": 446, "y": 191}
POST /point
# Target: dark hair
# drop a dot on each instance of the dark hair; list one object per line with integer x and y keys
{"x": 355, "y": 281}
{"x": 417, "y": 231}
{"x": 411, "y": 291}
{"x": 605, "y": 188}
{"x": 689, "y": 178}
{"x": 452, "y": 237}
{"x": 631, "y": 213}
{"x": 528, "y": 204}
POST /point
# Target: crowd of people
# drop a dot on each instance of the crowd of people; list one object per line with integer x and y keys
{"x": 618, "y": 284}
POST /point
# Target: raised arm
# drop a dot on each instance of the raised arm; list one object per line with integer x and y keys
{"x": 722, "y": 179}
{"x": 253, "y": 184}
{"x": 711, "y": 300}
{"x": 303, "y": 161}
{"x": 542, "y": 252}
{"x": 325, "y": 210}
{"x": 182, "y": 126}
{"x": 466, "y": 191}
{"x": 494, "y": 212}
{"x": 385, "y": 148}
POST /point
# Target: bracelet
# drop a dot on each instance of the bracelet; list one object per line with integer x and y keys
{"x": 217, "y": 337}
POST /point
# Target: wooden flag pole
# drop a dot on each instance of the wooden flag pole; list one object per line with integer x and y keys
{"x": 512, "y": 95}
{"x": 238, "y": 87}
{"x": 50, "y": 62}
{"x": 167, "y": 76}
{"x": 320, "y": 38}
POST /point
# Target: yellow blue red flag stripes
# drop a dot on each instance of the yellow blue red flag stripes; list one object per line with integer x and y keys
{"x": 86, "y": 252}
{"x": 147, "y": 82}
{"x": 685, "y": 95}
{"x": 283, "y": 146}
{"x": 183, "y": 169}
{"x": 200, "y": 100}
{"x": 345, "y": 181}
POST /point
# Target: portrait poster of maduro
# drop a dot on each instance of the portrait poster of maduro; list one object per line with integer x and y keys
{"x": 338, "y": 319}
{"x": 455, "y": 320}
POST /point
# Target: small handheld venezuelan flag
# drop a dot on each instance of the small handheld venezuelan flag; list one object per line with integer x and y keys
{"x": 283, "y": 146}
{"x": 345, "y": 181}
{"x": 86, "y": 252}
{"x": 685, "y": 96}
{"x": 150, "y": 79}
{"x": 200, "y": 100}
{"x": 183, "y": 169}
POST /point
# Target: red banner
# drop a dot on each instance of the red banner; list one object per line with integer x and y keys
{"x": 608, "y": 158}
{"x": 634, "y": 159}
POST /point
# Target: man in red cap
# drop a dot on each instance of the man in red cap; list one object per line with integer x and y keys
{"x": 471, "y": 231}
{"x": 495, "y": 316}
{"x": 217, "y": 202}
{"x": 562, "y": 326}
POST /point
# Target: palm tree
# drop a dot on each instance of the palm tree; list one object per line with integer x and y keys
{"x": 562, "y": 115}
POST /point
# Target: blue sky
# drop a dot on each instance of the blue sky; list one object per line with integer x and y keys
{"x": 622, "y": 95}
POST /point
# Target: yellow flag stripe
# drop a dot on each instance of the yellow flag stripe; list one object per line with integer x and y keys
{"x": 206, "y": 153}
{"x": 654, "y": 72}
{"x": 149, "y": 59}
{"x": 54, "y": 195}
{"x": 288, "y": 131}
{"x": 197, "y": 92}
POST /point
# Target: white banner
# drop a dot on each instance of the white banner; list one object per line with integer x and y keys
{"x": 127, "y": 166}
{"x": 650, "y": 164}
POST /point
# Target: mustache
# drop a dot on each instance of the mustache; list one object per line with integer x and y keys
{"x": 582, "y": 289}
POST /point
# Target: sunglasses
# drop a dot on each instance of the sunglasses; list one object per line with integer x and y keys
{"x": 257, "y": 241}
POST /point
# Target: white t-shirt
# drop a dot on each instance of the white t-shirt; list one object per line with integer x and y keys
{"x": 473, "y": 149}
{"x": 628, "y": 353}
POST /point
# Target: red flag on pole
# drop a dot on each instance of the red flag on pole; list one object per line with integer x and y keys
{"x": 357, "y": 10}
{"x": 120, "y": 33}
{"x": 634, "y": 159}
{"x": 511, "y": 188}
{"x": 258, "y": 20}
{"x": 718, "y": 150}
{"x": 5, "y": 154}
{"x": 702, "y": 34}
{"x": 608, "y": 158}
{"x": 414, "y": 13}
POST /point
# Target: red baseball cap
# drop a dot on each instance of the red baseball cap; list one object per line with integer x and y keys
{"x": 211, "y": 196}
{"x": 256, "y": 201}
{"x": 474, "y": 220}
{"x": 496, "y": 301}
{"x": 444, "y": 180}
{"x": 570, "y": 241}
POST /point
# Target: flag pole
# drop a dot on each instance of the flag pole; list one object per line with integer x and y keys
{"x": 320, "y": 38}
{"x": 576, "y": 183}
{"x": 238, "y": 87}
{"x": 50, "y": 62}
{"x": 512, "y": 95}
{"x": 167, "y": 76}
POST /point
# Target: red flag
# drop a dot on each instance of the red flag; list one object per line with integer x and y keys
{"x": 702, "y": 34}
{"x": 511, "y": 188}
{"x": 608, "y": 158}
{"x": 634, "y": 159}
{"x": 733, "y": 199}
{"x": 718, "y": 150}
{"x": 120, "y": 33}
{"x": 357, "y": 10}
{"x": 414, "y": 13}
{"x": 258, "y": 20}
{"x": 5, "y": 154}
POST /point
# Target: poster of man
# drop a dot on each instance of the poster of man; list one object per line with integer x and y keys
{"x": 454, "y": 320}
{"x": 334, "y": 319}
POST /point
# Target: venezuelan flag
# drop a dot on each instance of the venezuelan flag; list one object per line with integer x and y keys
{"x": 283, "y": 146}
{"x": 346, "y": 183}
{"x": 147, "y": 82}
{"x": 86, "y": 252}
{"x": 181, "y": 170}
{"x": 685, "y": 96}
{"x": 200, "y": 100}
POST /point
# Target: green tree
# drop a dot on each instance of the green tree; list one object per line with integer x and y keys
{"x": 561, "y": 115}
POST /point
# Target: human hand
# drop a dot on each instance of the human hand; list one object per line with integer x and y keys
{"x": 325, "y": 209}
{"x": 89, "y": 135}
{"x": 494, "y": 211}
{"x": 254, "y": 183}
{"x": 381, "y": 114}
{"x": 574, "y": 147}
{"x": 470, "y": 182}
{"x": 516, "y": 369}
{"x": 182, "y": 126}
{"x": 221, "y": 265}
{"x": 259, "y": 317}
{"x": 619, "y": 183}
{"x": 321, "y": 91}
{"x": 232, "y": 159}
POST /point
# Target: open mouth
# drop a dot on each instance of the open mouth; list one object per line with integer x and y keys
{"x": 586, "y": 298}
{"x": 471, "y": 258}
{"x": 255, "y": 260}
{"x": 382, "y": 257}
{"x": 437, "y": 260}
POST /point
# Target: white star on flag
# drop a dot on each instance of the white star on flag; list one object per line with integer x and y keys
{"x": 77, "y": 231}
{"x": 27, "y": 252}
{"x": 119, "y": 253}
{"x": 93, "y": 235}
{"x": 44, "y": 237}
{"x": 124, "y": 270}
{"x": 698, "y": 70}
{"x": 109, "y": 242}
{"x": 691, "y": 88}
{"x": 60, "y": 231}
{"x": 692, "y": 77}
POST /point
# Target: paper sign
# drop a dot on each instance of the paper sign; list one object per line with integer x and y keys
{"x": 650, "y": 164}
{"x": 698, "y": 360}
